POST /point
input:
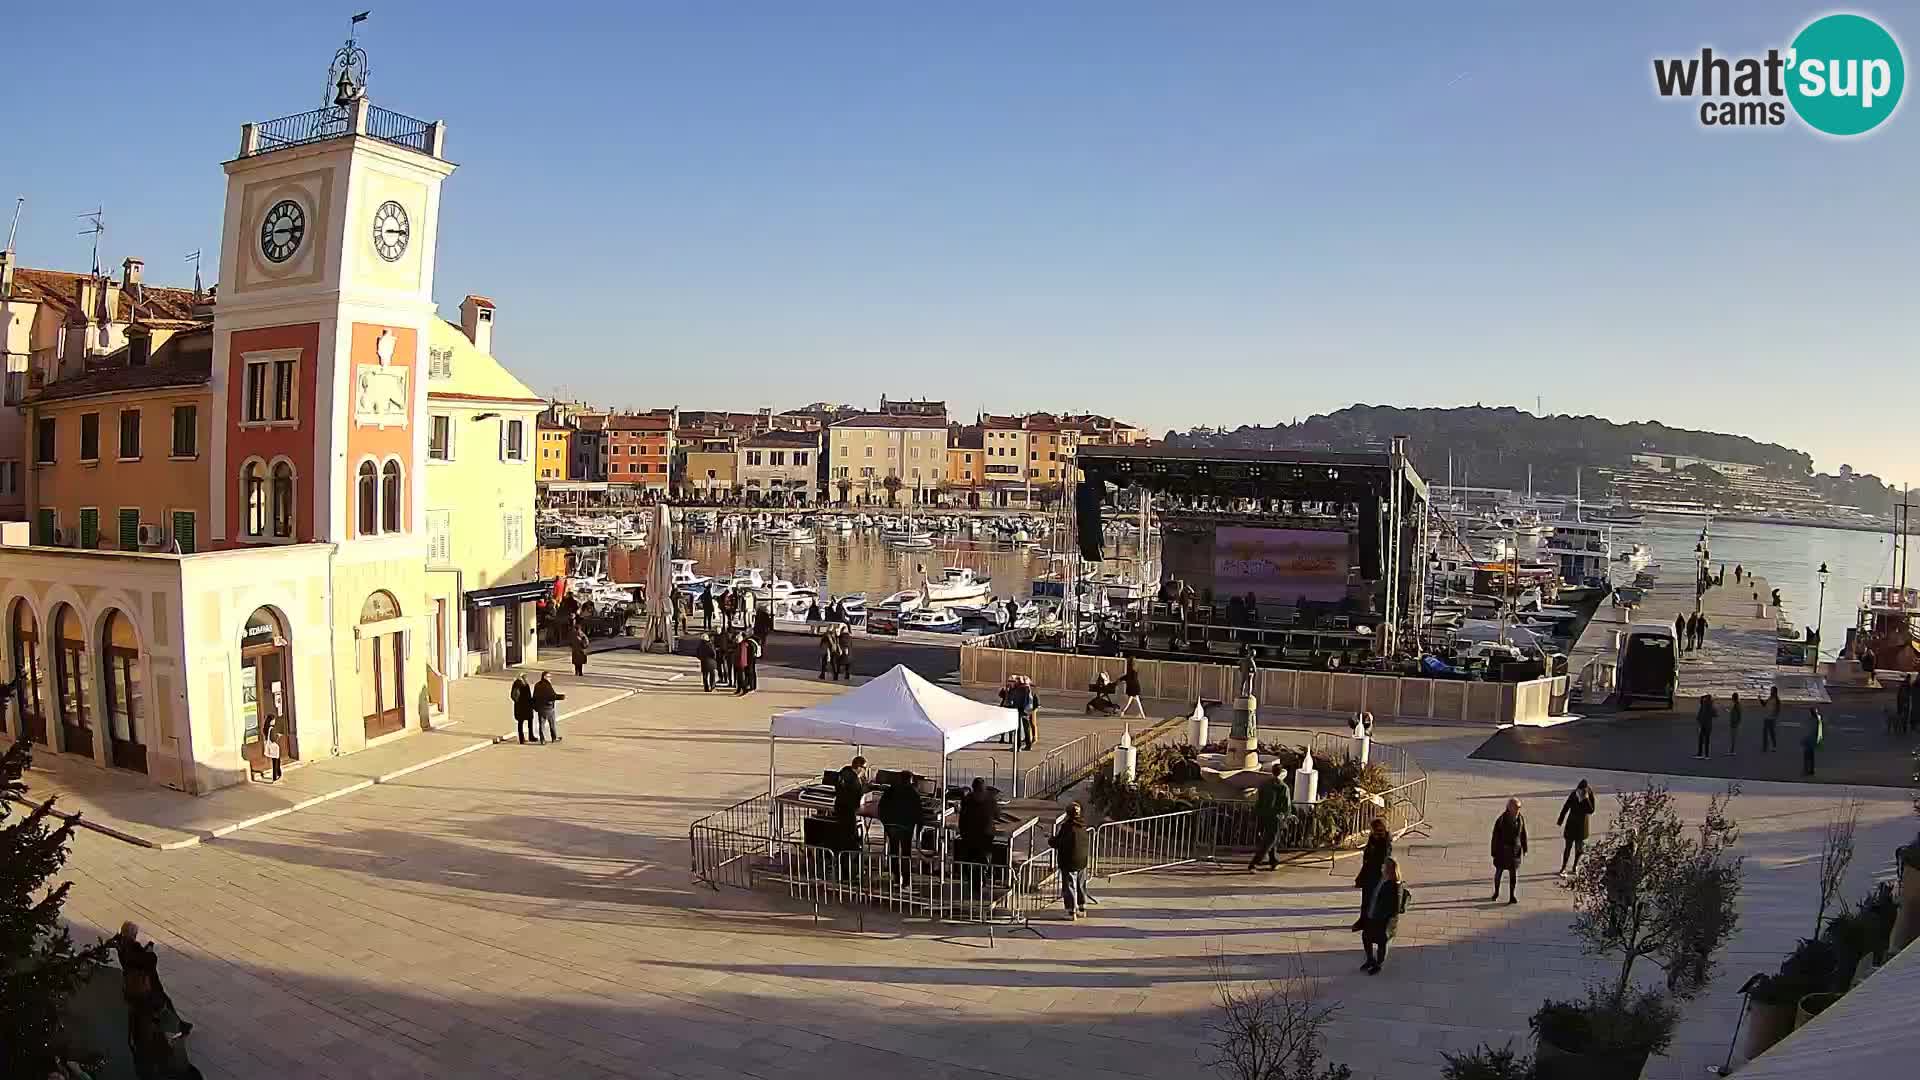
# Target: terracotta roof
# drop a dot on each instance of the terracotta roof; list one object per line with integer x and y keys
{"x": 877, "y": 420}
{"x": 185, "y": 359}
{"x": 971, "y": 437}
{"x": 638, "y": 423}
{"x": 60, "y": 291}
{"x": 781, "y": 439}
{"x": 590, "y": 421}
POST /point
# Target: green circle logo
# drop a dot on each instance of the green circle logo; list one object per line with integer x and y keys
{"x": 1845, "y": 74}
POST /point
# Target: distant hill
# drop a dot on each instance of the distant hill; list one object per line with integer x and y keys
{"x": 1493, "y": 447}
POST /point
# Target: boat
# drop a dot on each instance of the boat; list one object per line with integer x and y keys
{"x": 907, "y": 537}
{"x": 1583, "y": 552}
{"x": 855, "y": 605}
{"x": 937, "y": 620}
{"x": 957, "y": 583}
{"x": 787, "y": 534}
{"x": 1636, "y": 557}
{"x": 904, "y": 600}
{"x": 685, "y": 577}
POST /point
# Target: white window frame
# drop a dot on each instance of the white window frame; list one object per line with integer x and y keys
{"x": 448, "y": 456}
{"x": 265, "y": 359}
{"x": 506, "y": 424}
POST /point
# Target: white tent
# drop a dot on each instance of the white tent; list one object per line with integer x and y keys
{"x": 898, "y": 709}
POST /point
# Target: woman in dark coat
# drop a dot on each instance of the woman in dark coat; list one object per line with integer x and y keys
{"x": 1382, "y": 916}
{"x": 1509, "y": 847}
{"x": 579, "y": 653}
{"x": 1574, "y": 814}
{"x": 523, "y": 715}
{"x": 1379, "y": 850}
{"x": 847, "y": 793}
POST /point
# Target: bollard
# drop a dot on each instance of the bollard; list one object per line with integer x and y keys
{"x": 1126, "y": 758}
{"x": 1197, "y": 725}
{"x": 1306, "y": 781}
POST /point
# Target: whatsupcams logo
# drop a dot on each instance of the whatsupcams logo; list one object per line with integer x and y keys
{"x": 1842, "y": 75}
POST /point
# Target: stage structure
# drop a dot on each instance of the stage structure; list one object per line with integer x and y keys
{"x": 1340, "y": 535}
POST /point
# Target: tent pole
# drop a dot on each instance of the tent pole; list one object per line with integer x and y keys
{"x": 942, "y": 850}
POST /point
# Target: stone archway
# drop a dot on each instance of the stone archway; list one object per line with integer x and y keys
{"x": 266, "y": 689}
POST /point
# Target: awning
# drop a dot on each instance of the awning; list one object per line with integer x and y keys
{"x": 520, "y": 592}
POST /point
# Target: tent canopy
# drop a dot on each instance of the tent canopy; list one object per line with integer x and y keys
{"x": 898, "y": 709}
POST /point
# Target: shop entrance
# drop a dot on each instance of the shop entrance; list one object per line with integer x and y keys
{"x": 266, "y": 690}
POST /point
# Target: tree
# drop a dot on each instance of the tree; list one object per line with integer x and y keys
{"x": 1270, "y": 1031}
{"x": 1650, "y": 891}
{"x": 39, "y": 966}
{"x": 845, "y": 485}
{"x": 892, "y": 484}
{"x": 1836, "y": 851}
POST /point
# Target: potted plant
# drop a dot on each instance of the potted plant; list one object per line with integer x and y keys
{"x": 1648, "y": 891}
{"x": 1775, "y": 1010}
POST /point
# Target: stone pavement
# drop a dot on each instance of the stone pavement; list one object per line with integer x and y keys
{"x": 527, "y": 911}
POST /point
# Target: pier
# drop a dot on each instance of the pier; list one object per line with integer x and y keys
{"x": 1740, "y": 645}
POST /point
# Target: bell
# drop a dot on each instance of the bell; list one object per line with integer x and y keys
{"x": 346, "y": 91}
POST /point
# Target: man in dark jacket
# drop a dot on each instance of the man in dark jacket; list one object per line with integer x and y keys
{"x": 709, "y": 660}
{"x": 523, "y": 715}
{"x": 1700, "y": 632}
{"x": 847, "y": 793}
{"x": 978, "y": 813}
{"x": 544, "y": 697}
{"x": 1509, "y": 847}
{"x": 706, "y": 607}
{"x": 1072, "y": 851}
{"x": 902, "y": 815}
{"x": 1270, "y": 808}
{"x": 1680, "y": 637}
{"x": 1704, "y": 719}
{"x": 1022, "y": 699}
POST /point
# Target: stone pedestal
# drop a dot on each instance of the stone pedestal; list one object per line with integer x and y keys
{"x": 1243, "y": 745}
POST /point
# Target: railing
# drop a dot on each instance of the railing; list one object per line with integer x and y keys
{"x": 399, "y": 129}
{"x": 1049, "y": 778}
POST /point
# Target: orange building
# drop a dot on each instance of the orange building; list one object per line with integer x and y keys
{"x": 640, "y": 451}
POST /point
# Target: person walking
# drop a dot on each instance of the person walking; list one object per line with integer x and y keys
{"x": 521, "y": 695}
{"x": 901, "y": 815}
{"x": 270, "y": 742}
{"x": 1373, "y": 860}
{"x": 703, "y": 649}
{"x": 829, "y": 645}
{"x": 1810, "y": 740}
{"x": 1130, "y": 685}
{"x": 723, "y": 657}
{"x": 1680, "y": 635}
{"x": 753, "y": 664}
{"x": 1733, "y": 724}
{"x": 578, "y": 649}
{"x": 1384, "y": 903}
{"x": 544, "y": 697}
{"x": 1072, "y": 851}
{"x": 1573, "y": 817}
{"x": 1770, "y": 722}
{"x": 1704, "y": 720}
{"x": 742, "y": 659}
{"x": 1700, "y": 632}
{"x": 706, "y": 606}
{"x": 1271, "y": 808}
{"x": 1509, "y": 847}
{"x": 845, "y": 633}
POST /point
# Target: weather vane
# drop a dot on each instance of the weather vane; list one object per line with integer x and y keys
{"x": 347, "y": 75}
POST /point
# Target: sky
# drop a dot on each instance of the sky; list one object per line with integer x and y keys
{"x": 1178, "y": 214}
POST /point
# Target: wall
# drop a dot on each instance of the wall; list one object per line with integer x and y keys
{"x": 271, "y": 441}
{"x": 381, "y": 443}
{"x": 477, "y": 489}
{"x": 158, "y": 484}
{"x": 895, "y": 452}
{"x": 720, "y": 462}
{"x": 550, "y": 462}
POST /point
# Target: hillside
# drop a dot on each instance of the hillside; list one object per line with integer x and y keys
{"x": 1493, "y": 447}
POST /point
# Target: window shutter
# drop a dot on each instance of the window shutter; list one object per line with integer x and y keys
{"x": 45, "y": 527}
{"x": 183, "y": 531}
{"x": 129, "y": 530}
{"x": 89, "y": 529}
{"x": 503, "y": 438}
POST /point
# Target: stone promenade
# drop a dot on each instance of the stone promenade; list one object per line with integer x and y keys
{"x": 527, "y": 911}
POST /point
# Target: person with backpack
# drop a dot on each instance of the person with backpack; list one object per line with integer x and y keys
{"x": 1272, "y": 807}
{"x": 1385, "y": 903}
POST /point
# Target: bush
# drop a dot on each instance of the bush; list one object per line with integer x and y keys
{"x": 1486, "y": 1063}
{"x": 1809, "y": 969}
{"x": 1642, "y": 1021}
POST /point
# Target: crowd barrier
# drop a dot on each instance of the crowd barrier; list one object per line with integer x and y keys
{"x": 988, "y": 664}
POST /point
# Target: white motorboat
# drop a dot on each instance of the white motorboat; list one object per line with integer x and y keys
{"x": 844, "y": 524}
{"x": 957, "y": 583}
{"x": 938, "y": 620}
{"x": 751, "y": 577}
{"x": 905, "y": 600}
{"x": 685, "y": 577}
{"x": 1637, "y": 557}
{"x": 788, "y": 534}
{"x": 855, "y": 605}
{"x": 907, "y": 538}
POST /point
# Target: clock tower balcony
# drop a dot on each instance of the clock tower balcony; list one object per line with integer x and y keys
{"x": 359, "y": 117}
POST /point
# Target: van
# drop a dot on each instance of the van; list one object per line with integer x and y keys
{"x": 1648, "y": 667}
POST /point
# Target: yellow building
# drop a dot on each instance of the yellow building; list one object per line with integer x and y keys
{"x": 710, "y": 476}
{"x": 551, "y": 452}
{"x": 481, "y": 428}
{"x": 866, "y": 451}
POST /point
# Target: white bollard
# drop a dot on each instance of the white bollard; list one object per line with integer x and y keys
{"x": 1197, "y": 726}
{"x": 1362, "y": 729}
{"x": 1126, "y": 758}
{"x": 1306, "y": 784}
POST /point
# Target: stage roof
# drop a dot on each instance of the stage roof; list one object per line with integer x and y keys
{"x": 1274, "y": 473}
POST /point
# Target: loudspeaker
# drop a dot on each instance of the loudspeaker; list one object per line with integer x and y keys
{"x": 1086, "y": 508}
{"x": 1370, "y": 538}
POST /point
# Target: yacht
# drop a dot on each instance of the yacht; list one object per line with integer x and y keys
{"x": 1583, "y": 552}
{"x": 957, "y": 583}
{"x": 685, "y": 577}
{"x": 938, "y": 620}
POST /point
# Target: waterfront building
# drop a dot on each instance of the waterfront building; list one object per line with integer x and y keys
{"x": 552, "y": 449}
{"x": 639, "y": 451}
{"x": 587, "y": 460}
{"x": 1097, "y": 430}
{"x": 778, "y": 468}
{"x": 966, "y": 462}
{"x": 280, "y": 560}
{"x": 865, "y": 450}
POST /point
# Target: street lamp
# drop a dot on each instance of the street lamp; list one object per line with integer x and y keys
{"x": 1820, "y": 619}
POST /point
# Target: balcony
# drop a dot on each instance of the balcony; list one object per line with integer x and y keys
{"x": 338, "y": 122}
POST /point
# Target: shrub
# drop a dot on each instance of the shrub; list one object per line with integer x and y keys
{"x": 1639, "y": 1021}
{"x": 1809, "y": 969}
{"x": 1486, "y": 1063}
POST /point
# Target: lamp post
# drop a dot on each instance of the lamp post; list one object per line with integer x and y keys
{"x": 1820, "y": 619}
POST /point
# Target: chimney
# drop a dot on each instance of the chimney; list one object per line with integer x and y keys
{"x": 130, "y": 272}
{"x": 6, "y": 274}
{"x": 476, "y": 320}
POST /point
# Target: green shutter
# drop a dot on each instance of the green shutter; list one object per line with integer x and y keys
{"x": 89, "y": 529}
{"x": 43, "y": 527}
{"x": 183, "y": 531}
{"x": 129, "y": 530}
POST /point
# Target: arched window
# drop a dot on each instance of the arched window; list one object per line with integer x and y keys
{"x": 253, "y": 496}
{"x": 390, "y": 497}
{"x": 283, "y": 500}
{"x": 120, "y": 682}
{"x": 69, "y": 682}
{"x": 26, "y": 669}
{"x": 369, "y": 498}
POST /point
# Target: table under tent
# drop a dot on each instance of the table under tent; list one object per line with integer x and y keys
{"x": 800, "y": 838}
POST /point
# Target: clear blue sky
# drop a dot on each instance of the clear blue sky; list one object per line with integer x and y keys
{"x": 1175, "y": 213}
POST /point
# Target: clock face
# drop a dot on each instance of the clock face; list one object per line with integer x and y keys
{"x": 390, "y": 230}
{"x": 282, "y": 230}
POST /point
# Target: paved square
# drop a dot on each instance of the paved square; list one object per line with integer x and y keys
{"x": 527, "y": 911}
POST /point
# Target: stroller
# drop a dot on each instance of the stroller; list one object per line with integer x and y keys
{"x": 1102, "y": 689}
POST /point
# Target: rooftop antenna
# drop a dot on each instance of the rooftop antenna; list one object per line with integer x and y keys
{"x": 194, "y": 258}
{"x": 96, "y": 224}
{"x": 15, "y": 227}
